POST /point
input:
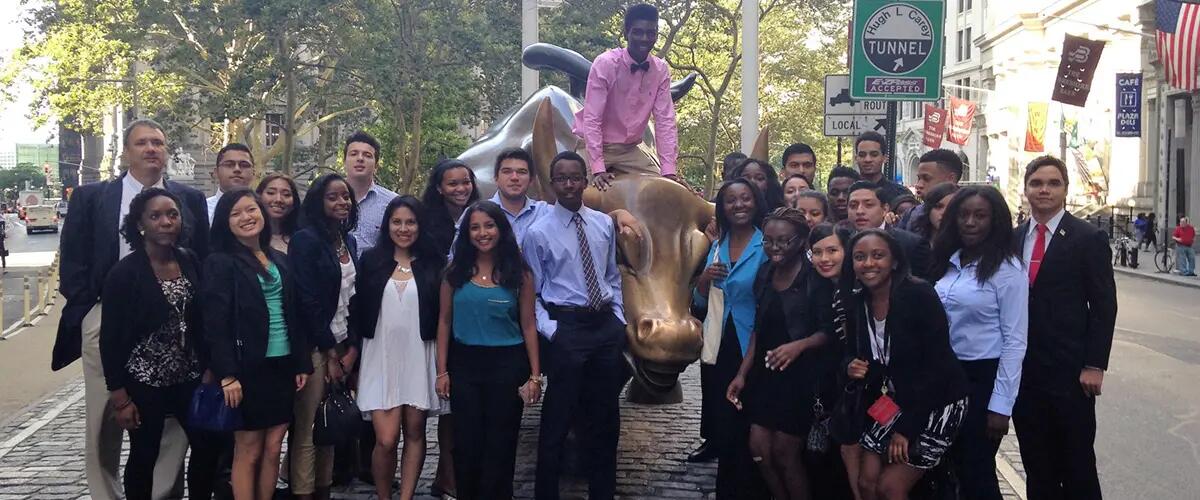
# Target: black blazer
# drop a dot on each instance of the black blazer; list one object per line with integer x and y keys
{"x": 1072, "y": 306}
{"x": 89, "y": 247}
{"x": 375, "y": 270}
{"x": 922, "y": 365}
{"x": 318, "y": 275}
{"x": 134, "y": 307}
{"x": 916, "y": 249}
{"x": 235, "y": 312}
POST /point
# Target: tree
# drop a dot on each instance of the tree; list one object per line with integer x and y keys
{"x": 14, "y": 180}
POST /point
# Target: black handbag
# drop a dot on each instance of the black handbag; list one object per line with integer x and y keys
{"x": 338, "y": 419}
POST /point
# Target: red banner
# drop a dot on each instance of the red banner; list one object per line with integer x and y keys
{"x": 1074, "y": 80}
{"x": 935, "y": 125}
{"x": 962, "y": 118}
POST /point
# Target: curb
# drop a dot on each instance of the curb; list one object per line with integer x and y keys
{"x": 1161, "y": 277}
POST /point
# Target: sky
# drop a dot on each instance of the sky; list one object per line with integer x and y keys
{"x": 15, "y": 126}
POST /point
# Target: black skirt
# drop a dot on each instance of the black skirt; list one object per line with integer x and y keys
{"x": 268, "y": 394}
{"x": 780, "y": 400}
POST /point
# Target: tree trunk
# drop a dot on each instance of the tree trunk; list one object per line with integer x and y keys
{"x": 289, "y": 125}
{"x": 414, "y": 147}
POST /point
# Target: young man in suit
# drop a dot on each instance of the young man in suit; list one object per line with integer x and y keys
{"x": 1072, "y": 312}
{"x": 867, "y": 210}
{"x": 235, "y": 169}
{"x": 870, "y": 155}
{"x": 89, "y": 247}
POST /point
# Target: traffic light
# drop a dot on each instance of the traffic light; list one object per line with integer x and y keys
{"x": 46, "y": 168}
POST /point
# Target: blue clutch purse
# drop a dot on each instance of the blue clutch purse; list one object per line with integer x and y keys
{"x": 209, "y": 412}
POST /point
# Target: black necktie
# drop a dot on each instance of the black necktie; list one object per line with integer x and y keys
{"x": 642, "y": 66}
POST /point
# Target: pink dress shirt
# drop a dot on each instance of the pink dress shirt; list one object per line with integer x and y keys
{"x": 618, "y": 104}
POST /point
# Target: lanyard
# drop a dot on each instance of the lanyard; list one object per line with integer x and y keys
{"x": 884, "y": 354}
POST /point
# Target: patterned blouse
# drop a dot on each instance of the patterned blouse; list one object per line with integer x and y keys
{"x": 165, "y": 357}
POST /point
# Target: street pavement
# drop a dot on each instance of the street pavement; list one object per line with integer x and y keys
{"x": 28, "y": 255}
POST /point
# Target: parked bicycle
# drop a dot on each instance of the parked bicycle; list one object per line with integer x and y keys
{"x": 1164, "y": 257}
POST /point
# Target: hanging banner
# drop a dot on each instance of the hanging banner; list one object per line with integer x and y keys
{"x": 1129, "y": 105}
{"x": 962, "y": 118}
{"x": 1076, "y": 69}
{"x": 1035, "y": 130}
{"x": 935, "y": 126}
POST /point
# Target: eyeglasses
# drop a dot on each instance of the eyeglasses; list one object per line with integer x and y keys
{"x": 244, "y": 165}
{"x": 768, "y": 242}
{"x": 568, "y": 179}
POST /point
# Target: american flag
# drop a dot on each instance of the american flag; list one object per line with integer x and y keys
{"x": 1178, "y": 28}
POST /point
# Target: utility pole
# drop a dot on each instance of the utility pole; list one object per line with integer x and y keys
{"x": 529, "y": 36}
{"x": 749, "y": 74}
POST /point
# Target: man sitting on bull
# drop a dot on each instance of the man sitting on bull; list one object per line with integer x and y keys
{"x": 624, "y": 87}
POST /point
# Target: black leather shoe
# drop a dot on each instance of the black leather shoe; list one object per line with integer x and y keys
{"x": 704, "y": 453}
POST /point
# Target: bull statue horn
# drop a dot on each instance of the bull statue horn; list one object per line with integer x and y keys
{"x": 543, "y": 149}
{"x": 761, "y": 145}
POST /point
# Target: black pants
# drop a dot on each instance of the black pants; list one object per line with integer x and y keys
{"x": 1057, "y": 431}
{"x": 738, "y": 477}
{"x": 974, "y": 451}
{"x": 154, "y": 405}
{"x": 586, "y": 372}
{"x": 487, "y": 417}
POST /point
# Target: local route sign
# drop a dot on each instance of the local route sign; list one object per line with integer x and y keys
{"x": 897, "y": 53}
{"x": 846, "y": 116}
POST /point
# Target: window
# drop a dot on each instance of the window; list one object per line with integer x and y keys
{"x": 964, "y": 6}
{"x": 274, "y": 128}
{"x": 964, "y": 45}
{"x": 967, "y": 42}
{"x": 958, "y": 53}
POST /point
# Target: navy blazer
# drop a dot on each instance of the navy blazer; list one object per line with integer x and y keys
{"x": 135, "y": 307}
{"x": 318, "y": 275}
{"x": 236, "y": 319}
{"x": 89, "y": 248}
{"x": 1072, "y": 306}
{"x": 375, "y": 271}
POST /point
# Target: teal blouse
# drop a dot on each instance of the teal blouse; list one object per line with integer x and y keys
{"x": 486, "y": 316}
{"x": 277, "y": 334}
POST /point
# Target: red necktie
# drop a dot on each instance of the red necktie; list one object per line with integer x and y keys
{"x": 1039, "y": 251}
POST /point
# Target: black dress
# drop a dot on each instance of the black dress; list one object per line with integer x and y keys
{"x": 783, "y": 400}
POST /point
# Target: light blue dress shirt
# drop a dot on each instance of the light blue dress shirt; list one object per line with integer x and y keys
{"x": 551, "y": 247}
{"x": 738, "y": 286}
{"x": 370, "y": 217}
{"x": 989, "y": 321}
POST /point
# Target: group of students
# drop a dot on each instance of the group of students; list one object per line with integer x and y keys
{"x": 908, "y": 336}
{"x": 274, "y": 299}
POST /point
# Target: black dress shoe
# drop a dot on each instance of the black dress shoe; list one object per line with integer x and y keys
{"x": 704, "y": 453}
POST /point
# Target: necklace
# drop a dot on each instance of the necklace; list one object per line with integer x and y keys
{"x": 405, "y": 270}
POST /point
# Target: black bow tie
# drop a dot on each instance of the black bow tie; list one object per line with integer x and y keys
{"x": 642, "y": 66}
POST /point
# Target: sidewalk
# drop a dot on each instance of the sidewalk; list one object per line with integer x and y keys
{"x": 1147, "y": 270}
{"x": 41, "y": 448}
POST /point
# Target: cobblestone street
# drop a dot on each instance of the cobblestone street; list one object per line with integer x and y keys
{"x": 41, "y": 452}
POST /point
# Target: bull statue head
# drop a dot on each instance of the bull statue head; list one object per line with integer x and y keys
{"x": 657, "y": 270}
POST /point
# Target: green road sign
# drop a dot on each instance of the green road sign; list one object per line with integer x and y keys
{"x": 897, "y": 53}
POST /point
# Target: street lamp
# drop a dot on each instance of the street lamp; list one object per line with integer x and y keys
{"x": 1131, "y": 203}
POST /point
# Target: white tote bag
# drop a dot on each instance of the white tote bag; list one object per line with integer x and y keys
{"x": 714, "y": 321}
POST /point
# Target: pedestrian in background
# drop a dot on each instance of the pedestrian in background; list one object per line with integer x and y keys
{"x": 258, "y": 353}
{"x": 731, "y": 266}
{"x": 1185, "y": 256}
{"x": 915, "y": 386}
{"x": 487, "y": 350}
{"x": 1150, "y": 238}
{"x": 984, "y": 288}
{"x": 395, "y": 306}
{"x": 152, "y": 343}
{"x": 322, "y": 256}
{"x": 280, "y": 195}
{"x": 779, "y": 383}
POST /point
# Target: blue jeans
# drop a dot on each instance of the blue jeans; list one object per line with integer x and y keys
{"x": 1185, "y": 260}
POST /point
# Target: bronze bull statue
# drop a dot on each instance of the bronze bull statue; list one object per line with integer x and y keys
{"x": 657, "y": 269}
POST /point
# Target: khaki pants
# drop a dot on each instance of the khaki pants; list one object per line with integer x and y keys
{"x": 310, "y": 466}
{"x": 621, "y": 159}
{"x": 102, "y": 445}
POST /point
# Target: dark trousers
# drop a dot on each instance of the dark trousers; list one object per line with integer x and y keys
{"x": 154, "y": 405}
{"x": 738, "y": 477}
{"x": 1057, "y": 431}
{"x": 487, "y": 417}
{"x": 974, "y": 451}
{"x": 586, "y": 372}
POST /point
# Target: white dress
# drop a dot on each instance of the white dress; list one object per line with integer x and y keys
{"x": 398, "y": 368}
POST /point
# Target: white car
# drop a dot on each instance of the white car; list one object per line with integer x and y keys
{"x": 41, "y": 217}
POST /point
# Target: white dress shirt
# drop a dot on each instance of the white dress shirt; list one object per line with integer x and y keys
{"x": 130, "y": 188}
{"x": 212, "y": 204}
{"x": 1031, "y": 235}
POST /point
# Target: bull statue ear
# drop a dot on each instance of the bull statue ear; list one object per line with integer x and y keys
{"x": 543, "y": 149}
{"x": 761, "y": 145}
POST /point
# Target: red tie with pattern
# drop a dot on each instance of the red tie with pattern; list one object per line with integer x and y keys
{"x": 1039, "y": 251}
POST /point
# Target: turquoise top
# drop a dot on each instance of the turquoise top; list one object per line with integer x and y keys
{"x": 277, "y": 334}
{"x": 740, "y": 303}
{"x": 486, "y": 316}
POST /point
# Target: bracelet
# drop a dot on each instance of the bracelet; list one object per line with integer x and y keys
{"x": 443, "y": 374}
{"x": 229, "y": 384}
